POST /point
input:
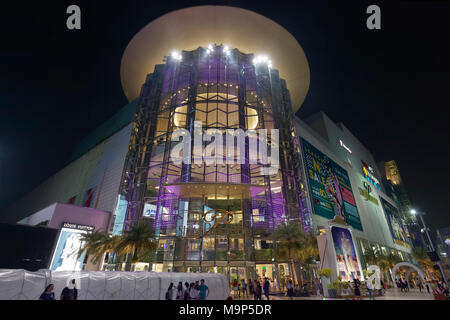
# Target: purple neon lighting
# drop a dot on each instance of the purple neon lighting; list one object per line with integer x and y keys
{"x": 212, "y": 76}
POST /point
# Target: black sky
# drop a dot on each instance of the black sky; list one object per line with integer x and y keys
{"x": 390, "y": 87}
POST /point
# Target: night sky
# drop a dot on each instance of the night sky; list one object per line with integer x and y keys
{"x": 390, "y": 87}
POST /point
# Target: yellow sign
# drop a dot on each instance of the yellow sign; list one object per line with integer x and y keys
{"x": 367, "y": 195}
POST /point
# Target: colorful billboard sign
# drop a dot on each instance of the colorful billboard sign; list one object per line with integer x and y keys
{"x": 347, "y": 263}
{"x": 329, "y": 187}
{"x": 395, "y": 224}
{"x": 369, "y": 174}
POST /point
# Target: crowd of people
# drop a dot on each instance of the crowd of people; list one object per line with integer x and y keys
{"x": 255, "y": 288}
{"x": 441, "y": 288}
{"x": 190, "y": 291}
{"x": 369, "y": 286}
{"x": 258, "y": 289}
{"x": 403, "y": 285}
{"x": 436, "y": 287}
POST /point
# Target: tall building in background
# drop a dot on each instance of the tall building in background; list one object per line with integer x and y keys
{"x": 393, "y": 175}
{"x": 394, "y": 182}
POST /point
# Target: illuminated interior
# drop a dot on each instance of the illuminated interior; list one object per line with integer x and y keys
{"x": 225, "y": 90}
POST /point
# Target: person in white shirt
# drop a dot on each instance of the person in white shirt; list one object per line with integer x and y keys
{"x": 194, "y": 292}
{"x": 180, "y": 291}
{"x": 171, "y": 293}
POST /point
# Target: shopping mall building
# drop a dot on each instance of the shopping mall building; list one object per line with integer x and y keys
{"x": 215, "y": 77}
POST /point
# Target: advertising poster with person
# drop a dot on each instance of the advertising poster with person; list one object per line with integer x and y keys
{"x": 348, "y": 266}
{"x": 66, "y": 257}
{"x": 395, "y": 224}
{"x": 329, "y": 186}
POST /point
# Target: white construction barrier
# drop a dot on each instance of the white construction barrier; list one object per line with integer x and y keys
{"x": 19, "y": 284}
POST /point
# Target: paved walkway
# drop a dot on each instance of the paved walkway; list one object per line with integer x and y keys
{"x": 391, "y": 294}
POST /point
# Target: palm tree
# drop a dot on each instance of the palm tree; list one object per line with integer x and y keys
{"x": 291, "y": 238}
{"x": 308, "y": 252}
{"x": 387, "y": 262}
{"x": 375, "y": 257}
{"x": 384, "y": 266}
{"x": 371, "y": 256}
{"x": 96, "y": 244}
{"x": 421, "y": 256}
{"x": 137, "y": 242}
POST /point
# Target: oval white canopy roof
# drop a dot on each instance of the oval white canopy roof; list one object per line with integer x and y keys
{"x": 190, "y": 28}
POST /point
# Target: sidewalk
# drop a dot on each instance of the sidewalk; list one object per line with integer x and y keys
{"x": 391, "y": 294}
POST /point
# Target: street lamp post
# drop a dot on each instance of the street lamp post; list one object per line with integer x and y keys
{"x": 430, "y": 242}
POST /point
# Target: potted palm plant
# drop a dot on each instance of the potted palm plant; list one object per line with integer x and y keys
{"x": 333, "y": 289}
{"x": 325, "y": 275}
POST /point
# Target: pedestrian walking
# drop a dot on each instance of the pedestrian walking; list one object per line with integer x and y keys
{"x": 235, "y": 287}
{"x": 203, "y": 290}
{"x": 171, "y": 292}
{"x": 443, "y": 288}
{"x": 239, "y": 289}
{"x": 186, "y": 291}
{"x": 356, "y": 285}
{"x": 48, "y": 293}
{"x": 244, "y": 288}
{"x": 194, "y": 292}
{"x": 401, "y": 285}
{"x": 266, "y": 287}
{"x": 70, "y": 292}
{"x": 180, "y": 291}
{"x": 257, "y": 290}
{"x": 428, "y": 287}
{"x": 290, "y": 289}
{"x": 250, "y": 286}
{"x": 382, "y": 286}
{"x": 370, "y": 287}
{"x": 420, "y": 286}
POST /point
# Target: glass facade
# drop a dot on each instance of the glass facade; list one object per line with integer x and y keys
{"x": 223, "y": 90}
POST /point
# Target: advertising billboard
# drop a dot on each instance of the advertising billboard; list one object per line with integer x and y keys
{"x": 395, "y": 224}
{"x": 348, "y": 266}
{"x": 329, "y": 187}
{"x": 65, "y": 256}
{"x": 149, "y": 210}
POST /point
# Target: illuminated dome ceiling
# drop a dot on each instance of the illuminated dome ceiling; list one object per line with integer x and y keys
{"x": 190, "y": 28}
